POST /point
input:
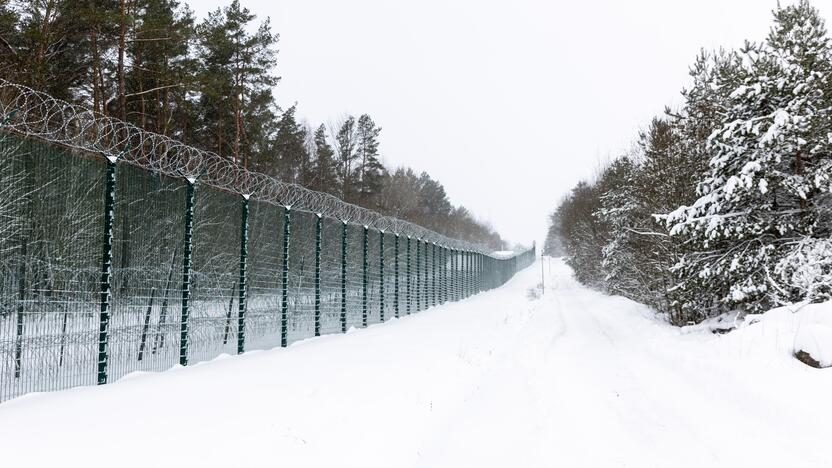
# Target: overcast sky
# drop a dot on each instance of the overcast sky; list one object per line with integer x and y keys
{"x": 509, "y": 103}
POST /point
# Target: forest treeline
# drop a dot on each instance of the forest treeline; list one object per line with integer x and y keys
{"x": 724, "y": 204}
{"x": 210, "y": 84}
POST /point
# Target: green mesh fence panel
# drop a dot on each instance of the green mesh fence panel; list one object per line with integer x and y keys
{"x": 51, "y": 203}
{"x": 331, "y": 231}
{"x": 373, "y": 277}
{"x": 52, "y": 238}
{"x": 213, "y": 323}
{"x": 301, "y": 276}
{"x": 146, "y": 279}
{"x": 265, "y": 270}
{"x": 389, "y": 276}
{"x": 355, "y": 235}
{"x": 427, "y": 296}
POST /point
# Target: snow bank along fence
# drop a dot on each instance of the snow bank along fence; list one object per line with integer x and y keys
{"x": 124, "y": 250}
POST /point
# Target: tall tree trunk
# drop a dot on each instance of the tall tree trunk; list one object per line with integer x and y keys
{"x": 122, "y": 100}
{"x": 95, "y": 64}
{"x": 140, "y": 78}
{"x": 159, "y": 118}
{"x": 37, "y": 78}
{"x": 238, "y": 97}
{"x": 166, "y": 113}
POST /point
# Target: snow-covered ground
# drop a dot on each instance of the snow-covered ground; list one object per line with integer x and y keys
{"x": 574, "y": 379}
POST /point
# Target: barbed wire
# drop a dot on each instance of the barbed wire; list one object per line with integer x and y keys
{"x": 38, "y": 115}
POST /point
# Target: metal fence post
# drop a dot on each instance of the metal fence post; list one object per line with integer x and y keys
{"x": 344, "y": 277}
{"x": 475, "y": 256}
{"x": 457, "y": 276}
{"x": 445, "y": 274}
{"x": 451, "y": 294}
{"x": 441, "y": 274}
{"x": 479, "y": 272}
{"x": 462, "y": 279}
{"x": 396, "y": 273}
{"x": 484, "y": 272}
{"x": 476, "y": 273}
{"x": 381, "y": 275}
{"x": 451, "y": 275}
{"x": 448, "y": 271}
{"x": 471, "y": 290}
{"x": 469, "y": 274}
{"x": 243, "y": 290}
{"x": 461, "y": 266}
{"x": 364, "y": 278}
{"x": 106, "y": 270}
{"x": 426, "y": 292}
{"x": 407, "y": 294}
{"x": 21, "y": 296}
{"x": 460, "y": 261}
{"x": 418, "y": 275}
{"x": 474, "y": 289}
{"x": 186, "y": 272}
{"x": 318, "y": 274}
{"x": 433, "y": 275}
{"x": 284, "y": 298}
{"x": 489, "y": 272}
{"x": 492, "y": 272}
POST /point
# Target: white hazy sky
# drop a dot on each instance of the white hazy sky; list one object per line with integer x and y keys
{"x": 508, "y": 103}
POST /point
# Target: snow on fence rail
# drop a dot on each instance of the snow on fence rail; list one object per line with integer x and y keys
{"x": 123, "y": 250}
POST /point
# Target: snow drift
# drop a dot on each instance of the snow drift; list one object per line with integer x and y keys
{"x": 575, "y": 379}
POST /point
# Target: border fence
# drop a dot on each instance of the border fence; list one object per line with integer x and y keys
{"x": 123, "y": 250}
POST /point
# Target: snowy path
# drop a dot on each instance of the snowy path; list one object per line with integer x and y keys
{"x": 573, "y": 379}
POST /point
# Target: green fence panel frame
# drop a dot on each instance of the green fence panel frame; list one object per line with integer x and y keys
{"x": 205, "y": 272}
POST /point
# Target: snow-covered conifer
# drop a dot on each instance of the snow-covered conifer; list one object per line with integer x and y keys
{"x": 769, "y": 168}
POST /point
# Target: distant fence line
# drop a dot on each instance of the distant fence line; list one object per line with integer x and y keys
{"x": 160, "y": 254}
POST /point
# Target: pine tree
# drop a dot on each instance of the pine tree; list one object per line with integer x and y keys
{"x": 433, "y": 202}
{"x": 671, "y": 173}
{"x": 769, "y": 169}
{"x": 626, "y": 218}
{"x": 346, "y": 143}
{"x": 289, "y": 148}
{"x": 10, "y": 41}
{"x": 238, "y": 109}
{"x": 400, "y": 195}
{"x": 100, "y": 20}
{"x": 325, "y": 176}
{"x": 160, "y": 74}
{"x": 44, "y": 44}
{"x": 584, "y": 233}
{"x": 370, "y": 170}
